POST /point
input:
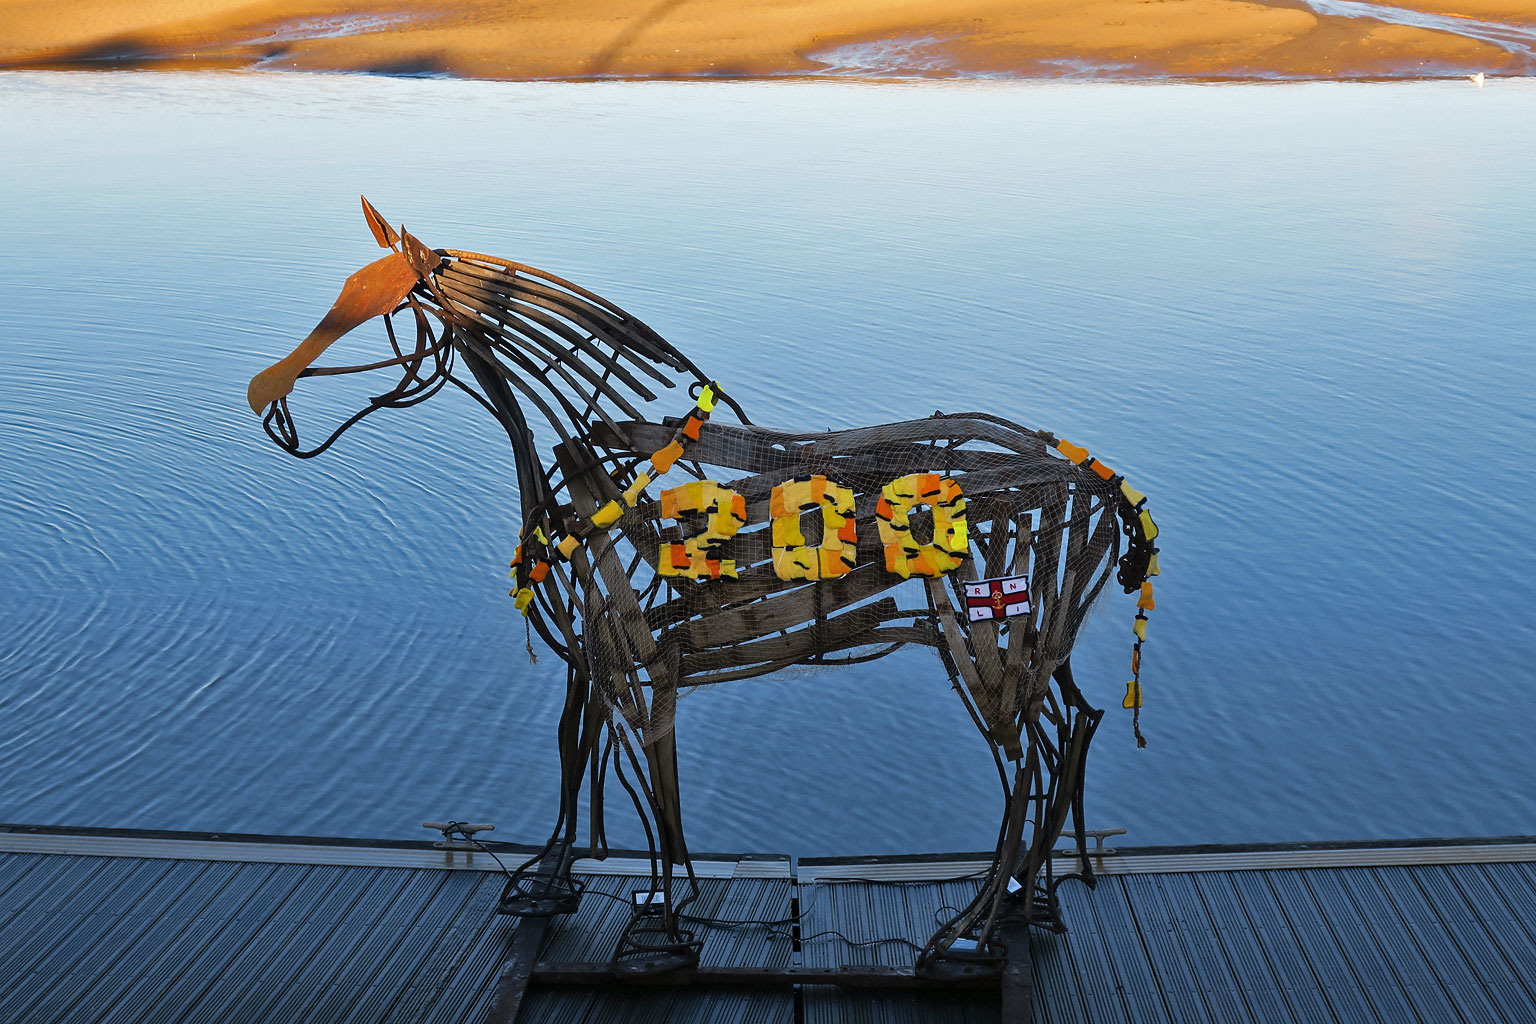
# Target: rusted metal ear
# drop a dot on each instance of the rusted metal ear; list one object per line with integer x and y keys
{"x": 423, "y": 260}
{"x": 372, "y": 291}
{"x": 382, "y": 232}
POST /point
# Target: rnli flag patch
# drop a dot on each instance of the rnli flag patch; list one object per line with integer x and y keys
{"x": 997, "y": 599}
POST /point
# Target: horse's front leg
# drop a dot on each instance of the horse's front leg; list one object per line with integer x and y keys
{"x": 656, "y": 941}
{"x": 543, "y": 885}
{"x": 661, "y": 759}
{"x": 575, "y": 737}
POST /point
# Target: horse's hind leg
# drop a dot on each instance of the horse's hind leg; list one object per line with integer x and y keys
{"x": 1047, "y": 785}
{"x": 1074, "y": 721}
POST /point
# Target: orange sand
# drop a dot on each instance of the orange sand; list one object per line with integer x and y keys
{"x": 520, "y": 39}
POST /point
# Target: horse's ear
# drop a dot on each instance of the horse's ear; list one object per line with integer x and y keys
{"x": 382, "y": 232}
{"x": 422, "y": 259}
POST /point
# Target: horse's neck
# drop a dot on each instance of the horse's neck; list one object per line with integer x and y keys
{"x": 564, "y": 354}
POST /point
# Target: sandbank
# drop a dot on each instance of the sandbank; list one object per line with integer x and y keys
{"x": 563, "y": 39}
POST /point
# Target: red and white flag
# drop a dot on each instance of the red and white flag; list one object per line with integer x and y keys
{"x": 997, "y": 599}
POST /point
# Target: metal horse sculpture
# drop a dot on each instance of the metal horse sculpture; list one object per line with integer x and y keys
{"x": 640, "y": 610}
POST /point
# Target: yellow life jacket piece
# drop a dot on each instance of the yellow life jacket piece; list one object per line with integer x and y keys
{"x": 793, "y": 558}
{"x": 725, "y": 512}
{"x": 904, "y": 556}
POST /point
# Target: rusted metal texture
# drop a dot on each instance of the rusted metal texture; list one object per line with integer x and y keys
{"x": 570, "y": 376}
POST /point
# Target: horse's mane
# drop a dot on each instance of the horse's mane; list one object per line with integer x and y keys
{"x": 580, "y": 359}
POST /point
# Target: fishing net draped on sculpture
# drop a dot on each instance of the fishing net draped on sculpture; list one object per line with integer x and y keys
{"x": 696, "y": 551}
{"x": 1024, "y": 514}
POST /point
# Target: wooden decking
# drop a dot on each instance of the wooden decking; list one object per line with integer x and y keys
{"x": 133, "y": 926}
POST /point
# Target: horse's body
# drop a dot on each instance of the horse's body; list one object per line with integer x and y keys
{"x": 634, "y": 638}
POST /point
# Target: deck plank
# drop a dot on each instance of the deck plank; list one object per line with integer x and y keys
{"x": 345, "y": 932}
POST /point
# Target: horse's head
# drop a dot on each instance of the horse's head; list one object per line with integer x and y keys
{"x": 383, "y": 288}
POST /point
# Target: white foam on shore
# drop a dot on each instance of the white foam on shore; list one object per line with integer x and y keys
{"x": 925, "y": 57}
{"x": 1517, "y": 39}
{"x": 336, "y": 27}
{"x": 911, "y": 57}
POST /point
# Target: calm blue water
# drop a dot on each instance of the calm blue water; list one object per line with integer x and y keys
{"x": 1300, "y": 317}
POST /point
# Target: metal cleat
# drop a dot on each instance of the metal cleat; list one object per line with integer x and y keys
{"x": 463, "y": 830}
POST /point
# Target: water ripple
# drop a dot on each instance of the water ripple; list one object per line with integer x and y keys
{"x": 1297, "y": 317}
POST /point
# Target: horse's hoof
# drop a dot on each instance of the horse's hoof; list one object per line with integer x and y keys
{"x": 539, "y": 906}
{"x": 667, "y": 966}
{"x": 545, "y": 898}
{"x": 954, "y": 965}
